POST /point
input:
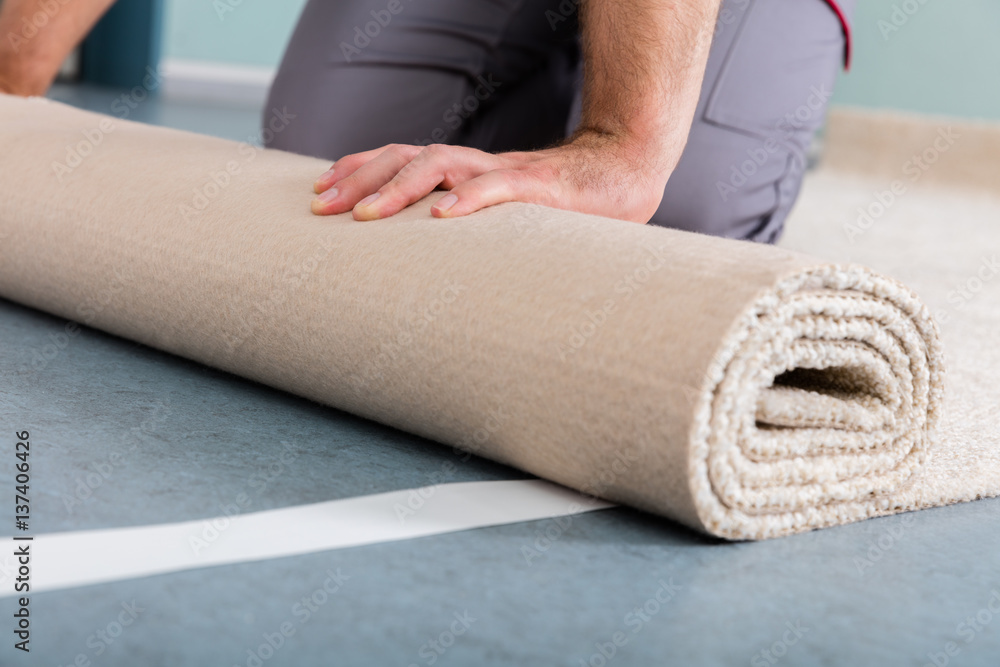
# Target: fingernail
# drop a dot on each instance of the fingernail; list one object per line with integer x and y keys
{"x": 328, "y": 196}
{"x": 446, "y": 202}
{"x": 369, "y": 199}
{"x": 320, "y": 183}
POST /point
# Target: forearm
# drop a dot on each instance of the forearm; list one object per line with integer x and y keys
{"x": 37, "y": 35}
{"x": 644, "y": 65}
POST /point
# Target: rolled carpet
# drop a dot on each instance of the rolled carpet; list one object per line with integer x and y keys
{"x": 745, "y": 390}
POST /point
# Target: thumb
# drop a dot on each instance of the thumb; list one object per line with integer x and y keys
{"x": 493, "y": 187}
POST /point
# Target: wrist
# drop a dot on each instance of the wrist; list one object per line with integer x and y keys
{"x": 653, "y": 151}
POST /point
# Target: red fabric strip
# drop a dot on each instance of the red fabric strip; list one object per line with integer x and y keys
{"x": 847, "y": 32}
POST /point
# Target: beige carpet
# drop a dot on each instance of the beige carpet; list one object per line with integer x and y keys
{"x": 745, "y": 390}
{"x": 942, "y": 238}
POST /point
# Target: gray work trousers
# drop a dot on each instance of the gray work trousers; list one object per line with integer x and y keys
{"x": 502, "y": 75}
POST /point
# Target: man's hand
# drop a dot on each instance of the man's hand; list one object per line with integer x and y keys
{"x": 593, "y": 173}
{"x": 645, "y": 61}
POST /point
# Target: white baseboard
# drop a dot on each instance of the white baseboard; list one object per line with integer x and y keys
{"x": 205, "y": 81}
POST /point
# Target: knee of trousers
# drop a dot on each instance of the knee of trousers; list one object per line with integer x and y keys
{"x": 743, "y": 190}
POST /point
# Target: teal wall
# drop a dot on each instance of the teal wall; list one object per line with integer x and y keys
{"x": 253, "y": 33}
{"x": 945, "y": 59}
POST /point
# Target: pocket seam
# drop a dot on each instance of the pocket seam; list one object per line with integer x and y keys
{"x": 711, "y": 114}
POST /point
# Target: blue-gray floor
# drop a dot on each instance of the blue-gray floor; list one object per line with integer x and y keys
{"x": 239, "y": 122}
{"x": 191, "y": 439}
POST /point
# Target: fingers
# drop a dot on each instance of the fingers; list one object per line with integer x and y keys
{"x": 343, "y": 168}
{"x": 364, "y": 180}
{"x": 493, "y": 187}
{"x": 436, "y": 165}
{"x": 380, "y": 183}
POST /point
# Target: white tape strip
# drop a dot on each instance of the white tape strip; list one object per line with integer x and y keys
{"x": 80, "y": 558}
